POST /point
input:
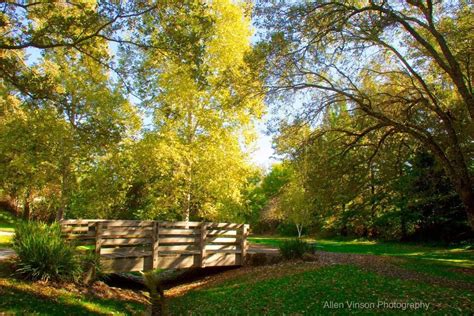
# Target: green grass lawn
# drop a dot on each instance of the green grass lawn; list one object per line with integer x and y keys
{"x": 308, "y": 292}
{"x": 435, "y": 260}
{"x": 7, "y": 224}
{"x": 5, "y": 241}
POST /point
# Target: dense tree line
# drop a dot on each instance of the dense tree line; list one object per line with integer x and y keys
{"x": 381, "y": 137}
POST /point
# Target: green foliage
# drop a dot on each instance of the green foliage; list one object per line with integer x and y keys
{"x": 295, "y": 248}
{"x": 7, "y": 221}
{"x": 43, "y": 254}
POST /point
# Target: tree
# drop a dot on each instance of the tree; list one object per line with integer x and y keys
{"x": 295, "y": 204}
{"x": 405, "y": 65}
{"x": 202, "y": 103}
{"x": 57, "y": 139}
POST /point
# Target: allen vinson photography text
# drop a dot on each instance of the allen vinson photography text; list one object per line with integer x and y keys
{"x": 377, "y": 305}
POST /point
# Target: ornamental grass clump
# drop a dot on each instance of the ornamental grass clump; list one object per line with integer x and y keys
{"x": 295, "y": 248}
{"x": 43, "y": 254}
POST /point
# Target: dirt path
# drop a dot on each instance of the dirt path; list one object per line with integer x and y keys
{"x": 388, "y": 266}
{"x": 6, "y": 254}
{"x": 257, "y": 248}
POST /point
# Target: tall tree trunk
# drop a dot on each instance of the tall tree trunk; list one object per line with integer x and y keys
{"x": 299, "y": 228}
{"x": 187, "y": 210}
{"x": 343, "y": 230}
{"x": 403, "y": 226}
{"x": 466, "y": 194}
{"x": 26, "y": 206}
{"x": 65, "y": 183}
{"x": 373, "y": 205}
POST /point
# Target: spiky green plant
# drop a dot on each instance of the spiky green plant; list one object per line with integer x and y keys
{"x": 43, "y": 254}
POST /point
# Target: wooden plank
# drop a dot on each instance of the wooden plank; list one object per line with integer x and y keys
{"x": 185, "y": 232}
{"x": 214, "y": 232}
{"x": 126, "y": 241}
{"x": 179, "y": 224}
{"x": 178, "y": 240}
{"x": 126, "y": 264}
{"x": 178, "y": 262}
{"x": 236, "y": 251}
{"x": 90, "y": 235}
{"x": 222, "y": 259}
{"x": 224, "y": 225}
{"x": 178, "y": 247}
{"x": 222, "y": 240}
{"x": 183, "y": 252}
{"x": 80, "y": 221}
{"x": 128, "y": 222}
{"x": 138, "y": 224}
{"x": 73, "y": 229}
{"x": 122, "y": 249}
{"x": 126, "y": 233}
{"x": 128, "y": 228}
{"x": 222, "y": 247}
{"x": 127, "y": 254}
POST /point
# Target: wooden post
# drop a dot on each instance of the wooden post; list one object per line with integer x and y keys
{"x": 155, "y": 244}
{"x": 243, "y": 243}
{"x": 98, "y": 237}
{"x": 202, "y": 243}
{"x": 98, "y": 246}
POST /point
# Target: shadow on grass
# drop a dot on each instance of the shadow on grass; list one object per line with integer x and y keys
{"x": 18, "y": 298}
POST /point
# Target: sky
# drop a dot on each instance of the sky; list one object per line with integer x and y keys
{"x": 264, "y": 153}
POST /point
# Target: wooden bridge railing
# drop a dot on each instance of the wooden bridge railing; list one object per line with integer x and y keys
{"x": 130, "y": 245}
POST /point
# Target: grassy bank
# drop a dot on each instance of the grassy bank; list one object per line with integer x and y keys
{"x": 278, "y": 290}
{"x": 37, "y": 298}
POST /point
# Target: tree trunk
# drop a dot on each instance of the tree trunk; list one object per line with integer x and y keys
{"x": 26, "y": 206}
{"x": 403, "y": 226}
{"x": 373, "y": 205}
{"x": 187, "y": 210}
{"x": 65, "y": 183}
{"x": 466, "y": 194}
{"x": 299, "y": 228}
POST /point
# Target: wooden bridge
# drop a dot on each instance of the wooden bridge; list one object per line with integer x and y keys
{"x": 131, "y": 245}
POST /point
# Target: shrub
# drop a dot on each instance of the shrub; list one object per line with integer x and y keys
{"x": 43, "y": 254}
{"x": 295, "y": 248}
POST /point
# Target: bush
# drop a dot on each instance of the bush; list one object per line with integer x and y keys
{"x": 43, "y": 254}
{"x": 295, "y": 248}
